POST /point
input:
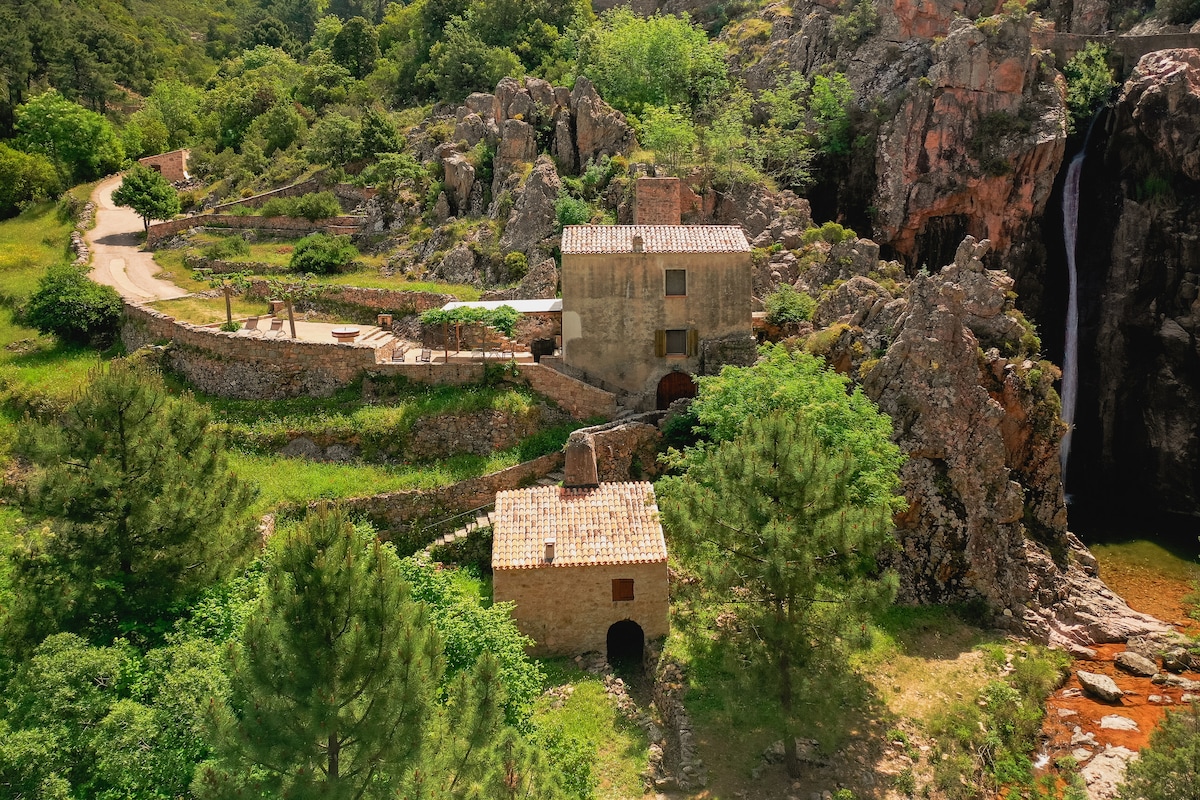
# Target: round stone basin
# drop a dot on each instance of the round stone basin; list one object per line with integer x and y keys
{"x": 345, "y": 335}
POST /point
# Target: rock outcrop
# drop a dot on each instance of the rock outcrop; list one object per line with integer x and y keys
{"x": 1139, "y": 434}
{"x": 975, "y": 148}
{"x": 533, "y": 217}
{"x": 986, "y": 518}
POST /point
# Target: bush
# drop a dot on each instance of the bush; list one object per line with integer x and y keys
{"x": 1168, "y": 768}
{"x": 229, "y": 247}
{"x": 517, "y": 265}
{"x": 1179, "y": 12}
{"x": 317, "y": 205}
{"x": 322, "y": 254}
{"x": 789, "y": 306}
{"x": 571, "y": 211}
{"x": 74, "y": 308}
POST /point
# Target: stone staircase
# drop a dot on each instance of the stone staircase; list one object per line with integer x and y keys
{"x": 485, "y": 517}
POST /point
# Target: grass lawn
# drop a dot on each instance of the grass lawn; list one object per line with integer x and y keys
{"x": 204, "y": 310}
{"x": 279, "y": 253}
{"x": 589, "y": 715}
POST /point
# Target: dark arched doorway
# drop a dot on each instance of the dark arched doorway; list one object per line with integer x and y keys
{"x": 674, "y": 386}
{"x": 626, "y": 641}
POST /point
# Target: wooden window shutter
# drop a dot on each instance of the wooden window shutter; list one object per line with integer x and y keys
{"x": 693, "y": 342}
{"x": 660, "y": 343}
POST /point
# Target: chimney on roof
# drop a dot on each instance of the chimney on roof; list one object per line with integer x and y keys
{"x": 638, "y": 243}
{"x": 656, "y": 201}
{"x": 550, "y": 550}
{"x": 580, "y": 470}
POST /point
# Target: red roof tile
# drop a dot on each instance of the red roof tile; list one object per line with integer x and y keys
{"x": 614, "y": 523}
{"x": 584, "y": 239}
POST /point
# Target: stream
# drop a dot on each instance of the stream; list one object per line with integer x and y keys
{"x": 1154, "y": 579}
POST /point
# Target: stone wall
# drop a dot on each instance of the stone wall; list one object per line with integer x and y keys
{"x": 227, "y": 365}
{"x": 346, "y": 192}
{"x": 480, "y": 433}
{"x": 624, "y": 450}
{"x": 399, "y": 514}
{"x": 390, "y": 301}
{"x": 579, "y": 399}
{"x": 277, "y": 225}
{"x": 568, "y": 610}
{"x": 656, "y": 201}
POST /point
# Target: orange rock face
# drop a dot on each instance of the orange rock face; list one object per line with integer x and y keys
{"x": 976, "y": 146}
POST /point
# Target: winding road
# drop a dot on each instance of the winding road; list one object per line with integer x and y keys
{"x": 117, "y": 260}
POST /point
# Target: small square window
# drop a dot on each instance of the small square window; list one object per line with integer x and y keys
{"x": 622, "y": 589}
{"x": 677, "y": 343}
{"x": 676, "y": 282}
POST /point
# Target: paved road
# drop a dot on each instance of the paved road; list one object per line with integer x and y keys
{"x": 116, "y": 259}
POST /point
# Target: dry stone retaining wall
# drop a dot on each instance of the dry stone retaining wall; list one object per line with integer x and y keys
{"x": 401, "y": 512}
{"x": 580, "y": 399}
{"x": 287, "y": 225}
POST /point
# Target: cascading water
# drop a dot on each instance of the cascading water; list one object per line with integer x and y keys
{"x": 1070, "y": 380}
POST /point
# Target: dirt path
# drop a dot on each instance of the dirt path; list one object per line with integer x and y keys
{"x": 116, "y": 259}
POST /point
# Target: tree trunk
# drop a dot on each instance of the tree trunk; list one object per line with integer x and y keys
{"x": 333, "y": 751}
{"x": 291, "y": 319}
{"x": 228, "y": 305}
{"x": 790, "y": 761}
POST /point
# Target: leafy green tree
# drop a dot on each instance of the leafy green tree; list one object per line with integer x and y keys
{"x": 829, "y": 107}
{"x": 1089, "y": 82}
{"x": 334, "y": 140}
{"x": 797, "y": 382}
{"x": 669, "y": 132}
{"x": 141, "y": 506}
{"x": 1170, "y": 767}
{"x": 335, "y": 677}
{"x": 356, "y": 47}
{"x": 661, "y": 60}
{"x": 178, "y": 105}
{"x": 230, "y": 283}
{"x": 145, "y": 134}
{"x": 71, "y": 306}
{"x": 82, "y": 142}
{"x": 24, "y": 178}
{"x": 462, "y": 62}
{"x": 148, "y": 193}
{"x": 771, "y": 518}
{"x": 278, "y": 128}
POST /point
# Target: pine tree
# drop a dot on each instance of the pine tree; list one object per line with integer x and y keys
{"x": 334, "y": 680}
{"x": 141, "y": 504}
{"x": 769, "y": 516}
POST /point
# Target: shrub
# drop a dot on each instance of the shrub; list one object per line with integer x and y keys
{"x": 74, "y": 308}
{"x": 571, "y": 211}
{"x": 517, "y": 265}
{"x": 789, "y": 306}
{"x": 229, "y": 247}
{"x": 1179, "y": 12}
{"x": 1089, "y": 82}
{"x": 322, "y": 254}
{"x": 317, "y": 205}
{"x": 1167, "y": 768}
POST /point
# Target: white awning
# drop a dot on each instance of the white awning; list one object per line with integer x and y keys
{"x": 524, "y": 306}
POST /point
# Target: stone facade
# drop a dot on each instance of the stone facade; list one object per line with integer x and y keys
{"x": 623, "y": 331}
{"x": 172, "y": 165}
{"x": 570, "y": 609}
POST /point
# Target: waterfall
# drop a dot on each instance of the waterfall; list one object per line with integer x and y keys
{"x": 1070, "y": 380}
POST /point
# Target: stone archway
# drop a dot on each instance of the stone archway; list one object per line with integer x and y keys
{"x": 626, "y": 644}
{"x": 674, "y": 386}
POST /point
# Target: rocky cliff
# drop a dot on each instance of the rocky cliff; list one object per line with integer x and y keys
{"x": 948, "y": 359}
{"x": 1139, "y": 433}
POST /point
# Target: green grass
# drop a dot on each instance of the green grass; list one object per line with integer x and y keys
{"x": 204, "y": 310}
{"x": 292, "y": 482}
{"x": 591, "y": 716}
{"x": 28, "y": 244}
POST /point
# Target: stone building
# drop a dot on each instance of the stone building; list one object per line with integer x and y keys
{"x": 647, "y": 306}
{"x": 172, "y": 165}
{"x": 585, "y": 563}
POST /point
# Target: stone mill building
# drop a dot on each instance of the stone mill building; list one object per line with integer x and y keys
{"x": 585, "y": 563}
{"x": 646, "y": 306}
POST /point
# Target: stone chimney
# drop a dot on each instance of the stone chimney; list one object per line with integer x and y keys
{"x": 656, "y": 202}
{"x": 580, "y": 470}
{"x": 550, "y": 550}
{"x": 639, "y": 244}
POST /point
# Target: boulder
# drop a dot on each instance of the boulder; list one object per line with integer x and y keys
{"x": 518, "y": 145}
{"x": 533, "y": 217}
{"x": 599, "y": 128}
{"x": 460, "y": 179}
{"x": 1116, "y": 722}
{"x": 473, "y": 129}
{"x": 1104, "y": 773}
{"x": 1099, "y": 686}
{"x": 1178, "y": 659}
{"x": 458, "y": 265}
{"x": 1135, "y": 664}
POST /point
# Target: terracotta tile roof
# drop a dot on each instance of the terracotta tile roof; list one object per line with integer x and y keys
{"x": 614, "y": 523}
{"x": 655, "y": 239}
